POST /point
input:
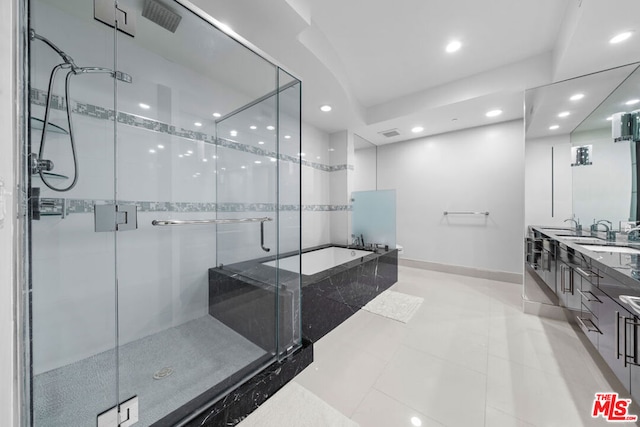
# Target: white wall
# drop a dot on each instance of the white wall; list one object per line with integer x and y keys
{"x": 479, "y": 169}
{"x": 602, "y": 190}
{"x": 8, "y": 43}
{"x": 538, "y": 180}
{"x": 364, "y": 174}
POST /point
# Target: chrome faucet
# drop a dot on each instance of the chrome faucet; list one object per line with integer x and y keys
{"x": 577, "y": 223}
{"x": 611, "y": 235}
{"x": 636, "y": 234}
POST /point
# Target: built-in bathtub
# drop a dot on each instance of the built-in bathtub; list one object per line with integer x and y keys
{"x": 336, "y": 282}
{"x": 318, "y": 260}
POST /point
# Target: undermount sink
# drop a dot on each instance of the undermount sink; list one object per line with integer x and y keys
{"x": 612, "y": 249}
{"x": 581, "y": 239}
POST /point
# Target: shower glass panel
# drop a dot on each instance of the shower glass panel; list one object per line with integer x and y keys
{"x": 73, "y": 289}
{"x": 147, "y": 277}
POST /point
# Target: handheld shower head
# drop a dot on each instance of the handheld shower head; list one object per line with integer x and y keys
{"x": 66, "y": 58}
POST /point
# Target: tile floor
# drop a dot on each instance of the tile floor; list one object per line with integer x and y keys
{"x": 468, "y": 357}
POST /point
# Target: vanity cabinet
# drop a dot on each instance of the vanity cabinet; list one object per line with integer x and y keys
{"x": 541, "y": 258}
{"x": 573, "y": 273}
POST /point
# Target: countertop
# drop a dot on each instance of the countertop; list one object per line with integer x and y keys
{"x": 622, "y": 267}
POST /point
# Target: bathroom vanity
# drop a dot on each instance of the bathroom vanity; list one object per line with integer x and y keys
{"x": 597, "y": 282}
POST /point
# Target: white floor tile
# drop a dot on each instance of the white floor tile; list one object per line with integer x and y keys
{"x": 379, "y": 410}
{"x": 342, "y": 375}
{"x": 435, "y": 387}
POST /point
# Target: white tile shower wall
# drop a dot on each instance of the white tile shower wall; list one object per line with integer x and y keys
{"x": 316, "y": 187}
{"x": 538, "y": 183}
{"x": 479, "y": 169}
{"x": 8, "y": 44}
{"x": 596, "y": 183}
{"x": 341, "y": 144}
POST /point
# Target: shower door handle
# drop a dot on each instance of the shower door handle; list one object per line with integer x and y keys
{"x": 262, "y": 220}
{"x": 262, "y": 237}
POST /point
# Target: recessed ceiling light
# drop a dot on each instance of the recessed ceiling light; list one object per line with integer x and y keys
{"x": 257, "y": 162}
{"x": 317, "y": 157}
{"x": 301, "y": 154}
{"x": 415, "y": 421}
{"x": 261, "y": 142}
{"x": 632, "y": 102}
{"x": 453, "y": 46}
{"x": 144, "y": 106}
{"x": 152, "y": 150}
{"x": 620, "y": 37}
{"x": 198, "y": 124}
{"x": 417, "y": 129}
{"x": 214, "y": 157}
{"x": 272, "y": 159}
{"x": 217, "y": 115}
{"x": 493, "y": 113}
{"x": 189, "y": 152}
{"x": 205, "y": 160}
{"x": 270, "y": 127}
{"x": 233, "y": 133}
{"x": 326, "y": 108}
{"x": 224, "y": 169}
{"x": 577, "y": 97}
{"x": 160, "y": 146}
{"x": 180, "y": 155}
{"x": 287, "y": 137}
{"x": 564, "y": 114}
{"x": 243, "y": 167}
{"x": 332, "y": 149}
{"x": 609, "y": 118}
{"x": 553, "y": 127}
{"x": 253, "y": 127}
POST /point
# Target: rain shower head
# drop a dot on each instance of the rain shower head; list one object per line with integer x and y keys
{"x": 161, "y": 15}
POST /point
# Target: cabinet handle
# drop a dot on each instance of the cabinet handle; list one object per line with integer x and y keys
{"x": 595, "y": 328}
{"x": 617, "y": 335}
{"x": 633, "y": 323}
{"x": 585, "y": 274}
{"x": 587, "y": 298}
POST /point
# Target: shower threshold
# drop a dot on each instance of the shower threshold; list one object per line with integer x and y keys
{"x": 165, "y": 370}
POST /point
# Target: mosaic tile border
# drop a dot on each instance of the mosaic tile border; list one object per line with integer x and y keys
{"x": 39, "y": 97}
{"x": 76, "y": 206}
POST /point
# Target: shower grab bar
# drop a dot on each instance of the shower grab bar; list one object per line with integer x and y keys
{"x": 158, "y": 222}
{"x": 466, "y": 213}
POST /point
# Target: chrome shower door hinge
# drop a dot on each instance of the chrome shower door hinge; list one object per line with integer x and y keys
{"x": 122, "y": 415}
{"x": 115, "y": 217}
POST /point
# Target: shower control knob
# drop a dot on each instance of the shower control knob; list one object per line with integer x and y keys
{"x": 45, "y": 165}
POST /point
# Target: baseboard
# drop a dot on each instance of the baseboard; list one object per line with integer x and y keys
{"x": 549, "y": 311}
{"x": 501, "y": 276}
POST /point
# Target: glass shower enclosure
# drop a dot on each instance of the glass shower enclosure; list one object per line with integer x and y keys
{"x": 164, "y": 156}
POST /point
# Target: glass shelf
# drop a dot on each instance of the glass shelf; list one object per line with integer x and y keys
{"x": 51, "y": 175}
{"x": 39, "y": 124}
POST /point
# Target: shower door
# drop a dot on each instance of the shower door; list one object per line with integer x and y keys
{"x": 201, "y": 193}
{"x": 149, "y": 288}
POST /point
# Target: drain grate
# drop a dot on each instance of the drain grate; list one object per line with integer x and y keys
{"x": 163, "y": 373}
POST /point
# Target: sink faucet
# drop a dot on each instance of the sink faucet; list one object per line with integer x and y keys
{"x": 611, "y": 235}
{"x": 636, "y": 234}
{"x": 577, "y": 223}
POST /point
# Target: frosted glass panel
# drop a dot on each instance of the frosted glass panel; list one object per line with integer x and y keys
{"x": 374, "y": 216}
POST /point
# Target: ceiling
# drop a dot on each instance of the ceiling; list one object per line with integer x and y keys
{"x": 382, "y": 65}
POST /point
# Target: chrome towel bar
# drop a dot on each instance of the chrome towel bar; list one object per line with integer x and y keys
{"x": 466, "y": 213}
{"x": 159, "y": 222}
